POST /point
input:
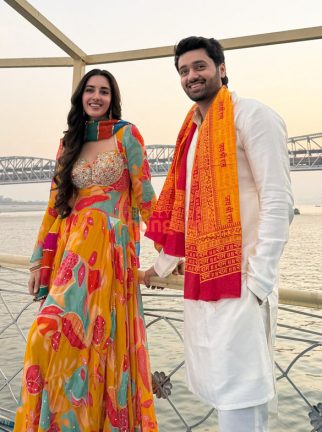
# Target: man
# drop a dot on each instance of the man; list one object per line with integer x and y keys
{"x": 225, "y": 206}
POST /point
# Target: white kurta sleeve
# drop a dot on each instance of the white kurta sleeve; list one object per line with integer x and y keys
{"x": 165, "y": 264}
{"x": 264, "y": 137}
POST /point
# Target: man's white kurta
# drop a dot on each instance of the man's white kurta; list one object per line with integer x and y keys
{"x": 228, "y": 343}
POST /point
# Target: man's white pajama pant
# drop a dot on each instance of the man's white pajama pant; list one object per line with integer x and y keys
{"x": 251, "y": 419}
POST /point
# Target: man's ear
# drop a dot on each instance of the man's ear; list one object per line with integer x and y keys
{"x": 222, "y": 69}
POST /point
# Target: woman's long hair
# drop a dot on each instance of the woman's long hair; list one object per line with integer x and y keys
{"x": 74, "y": 138}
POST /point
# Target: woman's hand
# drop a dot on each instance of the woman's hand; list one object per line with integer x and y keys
{"x": 147, "y": 276}
{"x": 33, "y": 283}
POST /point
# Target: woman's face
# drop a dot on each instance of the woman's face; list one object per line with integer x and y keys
{"x": 97, "y": 97}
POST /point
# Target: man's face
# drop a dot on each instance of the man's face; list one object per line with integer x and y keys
{"x": 200, "y": 77}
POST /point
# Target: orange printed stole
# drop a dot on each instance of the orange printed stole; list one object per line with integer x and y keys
{"x": 213, "y": 241}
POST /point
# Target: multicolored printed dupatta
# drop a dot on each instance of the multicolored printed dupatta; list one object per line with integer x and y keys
{"x": 98, "y": 130}
{"x": 213, "y": 241}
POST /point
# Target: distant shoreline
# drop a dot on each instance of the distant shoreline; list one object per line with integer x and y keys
{"x": 21, "y": 207}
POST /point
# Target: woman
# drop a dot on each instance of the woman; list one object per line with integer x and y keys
{"x": 86, "y": 365}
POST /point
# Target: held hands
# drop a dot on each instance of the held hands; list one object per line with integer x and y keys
{"x": 179, "y": 270}
{"x": 33, "y": 283}
{"x": 147, "y": 276}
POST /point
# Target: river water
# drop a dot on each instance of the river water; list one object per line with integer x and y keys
{"x": 300, "y": 268}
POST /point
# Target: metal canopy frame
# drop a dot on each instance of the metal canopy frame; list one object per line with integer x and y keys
{"x": 78, "y": 59}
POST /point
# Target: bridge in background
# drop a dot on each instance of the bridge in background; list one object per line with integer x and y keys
{"x": 305, "y": 153}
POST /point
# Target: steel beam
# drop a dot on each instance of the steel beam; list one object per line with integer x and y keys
{"x": 281, "y": 37}
{"x": 36, "y": 62}
{"x": 78, "y": 73}
{"x": 38, "y": 20}
{"x": 264, "y": 39}
{"x": 133, "y": 55}
{"x": 30, "y": 13}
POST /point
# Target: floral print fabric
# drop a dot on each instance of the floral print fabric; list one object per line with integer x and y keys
{"x": 86, "y": 364}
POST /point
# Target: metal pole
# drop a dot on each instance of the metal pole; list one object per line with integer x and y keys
{"x": 78, "y": 73}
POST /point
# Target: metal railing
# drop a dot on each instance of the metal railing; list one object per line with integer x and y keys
{"x": 299, "y": 334}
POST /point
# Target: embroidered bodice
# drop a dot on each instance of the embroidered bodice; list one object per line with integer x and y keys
{"x": 105, "y": 170}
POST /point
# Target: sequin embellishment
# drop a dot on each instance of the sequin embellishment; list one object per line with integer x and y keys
{"x": 105, "y": 170}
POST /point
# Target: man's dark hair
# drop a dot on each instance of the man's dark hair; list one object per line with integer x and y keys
{"x": 212, "y": 47}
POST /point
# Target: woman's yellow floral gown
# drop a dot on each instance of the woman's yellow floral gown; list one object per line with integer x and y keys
{"x": 86, "y": 365}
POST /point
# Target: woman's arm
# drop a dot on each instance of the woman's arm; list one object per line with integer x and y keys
{"x": 139, "y": 171}
{"x": 49, "y": 218}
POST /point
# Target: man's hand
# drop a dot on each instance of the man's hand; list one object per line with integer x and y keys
{"x": 147, "y": 276}
{"x": 33, "y": 283}
{"x": 179, "y": 270}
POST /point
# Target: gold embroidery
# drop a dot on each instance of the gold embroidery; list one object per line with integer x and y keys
{"x": 105, "y": 170}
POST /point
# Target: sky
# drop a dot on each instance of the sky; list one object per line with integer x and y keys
{"x": 35, "y": 102}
